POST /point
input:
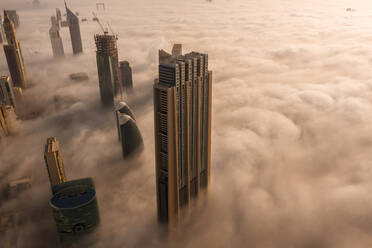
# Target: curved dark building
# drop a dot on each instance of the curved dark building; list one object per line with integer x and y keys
{"x": 123, "y": 108}
{"x": 75, "y": 208}
{"x": 129, "y": 135}
{"x": 74, "y": 26}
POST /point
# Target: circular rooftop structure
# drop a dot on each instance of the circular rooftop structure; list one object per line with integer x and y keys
{"x": 73, "y": 197}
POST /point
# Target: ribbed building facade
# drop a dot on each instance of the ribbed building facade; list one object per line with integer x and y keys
{"x": 182, "y": 113}
{"x": 6, "y": 92}
{"x": 74, "y": 26}
{"x": 55, "y": 39}
{"x": 108, "y": 67}
{"x": 53, "y": 162}
{"x": 13, "y": 54}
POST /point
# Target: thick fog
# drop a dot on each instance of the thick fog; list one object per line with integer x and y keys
{"x": 291, "y": 137}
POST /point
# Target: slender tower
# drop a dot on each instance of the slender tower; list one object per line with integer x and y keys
{"x": 13, "y": 54}
{"x": 6, "y": 92}
{"x": 54, "y": 163}
{"x": 74, "y": 26}
{"x": 108, "y": 68}
{"x": 56, "y": 39}
{"x": 182, "y": 112}
{"x": 126, "y": 76}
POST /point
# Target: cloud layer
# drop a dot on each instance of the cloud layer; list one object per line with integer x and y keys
{"x": 292, "y": 101}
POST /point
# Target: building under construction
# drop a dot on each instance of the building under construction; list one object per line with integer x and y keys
{"x": 108, "y": 67}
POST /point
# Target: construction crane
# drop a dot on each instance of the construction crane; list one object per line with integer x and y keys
{"x": 97, "y": 20}
{"x": 105, "y": 32}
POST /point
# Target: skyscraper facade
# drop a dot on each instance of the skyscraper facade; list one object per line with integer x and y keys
{"x": 108, "y": 67}
{"x": 182, "y": 112}
{"x": 126, "y": 76}
{"x": 6, "y": 91}
{"x": 55, "y": 38}
{"x": 6, "y": 115}
{"x": 2, "y": 31}
{"x": 58, "y": 15}
{"x": 53, "y": 162}
{"x": 13, "y": 54}
{"x": 13, "y": 16}
{"x": 177, "y": 50}
{"x": 74, "y": 26}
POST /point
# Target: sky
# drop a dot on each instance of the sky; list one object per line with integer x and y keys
{"x": 291, "y": 133}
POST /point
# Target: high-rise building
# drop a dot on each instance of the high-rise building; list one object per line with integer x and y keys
{"x": 177, "y": 50}
{"x": 126, "y": 76}
{"x": 182, "y": 111}
{"x": 129, "y": 134}
{"x": 54, "y": 163}
{"x": 2, "y": 31}
{"x": 6, "y": 115}
{"x": 108, "y": 67}
{"x": 13, "y": 16}
{"x": 122, "y": 108}
{"x": 6, "y": 91}
{"x": 74, "y": 26}
{"x": 13, "y": 54}
{"x": 55, "y": 38}
{"x": 75, "y": 208}
{"x": 58, "y": 15}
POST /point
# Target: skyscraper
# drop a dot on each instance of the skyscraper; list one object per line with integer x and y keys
{"x": 74, "y": 26}
{"x": 53, "y": 162}
{"x": 6, "y": 116}
{"x": 2, "y": 31}
{"x": 129, "y": 134}
{"x": 58, "y": 15}
{"x": 126, "y": 76}
{"x": 13, "y": 16}
{"x": 177, "y": 50}
{"x": 13, "y": 54}
{"x": 55, "y": 38}
{"x": 108, "y": 67}
{"x": 6, "y": 92}
{"x": 182, "y": 111}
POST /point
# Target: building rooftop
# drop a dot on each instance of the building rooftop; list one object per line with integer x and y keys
{"x": 73, "y": 197}
{"x": 51, "y": 145}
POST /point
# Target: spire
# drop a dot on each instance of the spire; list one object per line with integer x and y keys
{"x": 65, "y": 4}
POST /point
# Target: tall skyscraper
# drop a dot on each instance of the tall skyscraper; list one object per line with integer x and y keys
{"x": 13, "y": 16}
{"x": 58, "y": 15}
{"x": 74, "y": 26}
{"x": 6, "y": 116}
{"x": 177, "y": 50}
{"x": 6, "y": 91}
{"x": 129, "y": 134}
{"x": 13, "y": 54}
{"x": 126, "y": 76}
{"x": 108, "y": 67}
{"x": 2, "y": 31}
{"x": 55, "y": 38}
{"x": 53, "y": 162}
{"x": 182, "y": 111}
